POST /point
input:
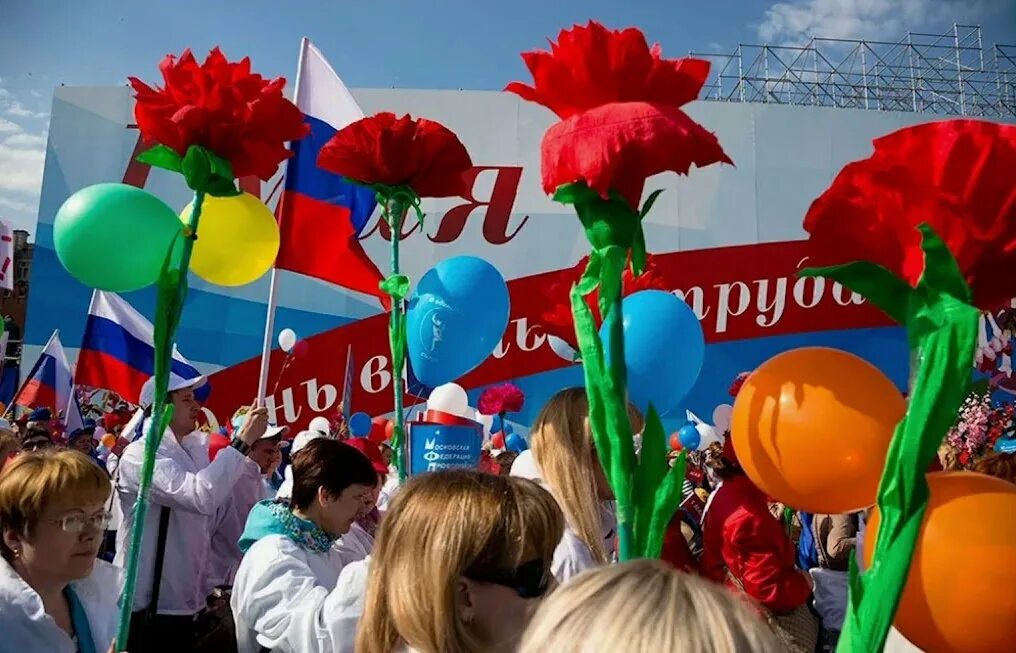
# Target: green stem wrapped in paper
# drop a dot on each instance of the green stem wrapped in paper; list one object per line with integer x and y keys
{"x": 402, "y": 160}
{"x": 921, "y": 230}
{"x": 618, "y": 126}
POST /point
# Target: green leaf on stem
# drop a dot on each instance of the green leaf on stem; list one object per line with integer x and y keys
{"x": 638, "y": 252}
{"x": 574, "y": 193}
{"x": 649, "y": 472}
{"x": 648, "y": 204}
{"x": 874, "y": 282}
{"x": 161, "y": 156}
{"x": 590, "y": 279}
{"x": 941, "y": 271}
{"x": 396, "y": 285}
{"x": 668, "y": 499}
{"x": 612, "y": 260}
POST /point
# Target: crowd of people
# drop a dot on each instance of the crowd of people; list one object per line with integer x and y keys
{"x": 332, "y": 555}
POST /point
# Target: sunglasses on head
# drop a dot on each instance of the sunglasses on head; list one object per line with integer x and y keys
{"x": 530, "y": 580}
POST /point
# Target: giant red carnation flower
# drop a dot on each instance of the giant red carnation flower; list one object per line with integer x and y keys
{"x": 504, "y": 398}
{"x": 954, "y": 175}
{"x": 557, "y": 319}
{"x": 422, "y": 154}
{"x": 619, "y": 102}
{"x": 222, "y": 107}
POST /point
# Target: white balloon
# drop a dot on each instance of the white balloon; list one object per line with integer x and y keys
{"x": 450, "y": 398}
{"x": 320, "y": 425}
{"x": 562, "y": 349}
{"x": 707, "y": 436}
{"x": 721, "y": 417}
{"x": 287, "y": 338}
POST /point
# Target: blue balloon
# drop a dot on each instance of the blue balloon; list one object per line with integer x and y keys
{"x": 664, "y": 348}
{"x": 455, "y": 318}
{"x": 496, "y": 426}
{"x": 689, "y": 437}
{"x": 508, "y": 430}
{"x": 359, "y": 425}
{"x": 515, "y": 442}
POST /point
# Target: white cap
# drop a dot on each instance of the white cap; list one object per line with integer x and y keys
{"x": 273, "y": 430}
{"x": 321, "y": 425}
{"x": 176, "y": 382}
{"x": 6, "y": 426}
{"x": 302, "y": 438}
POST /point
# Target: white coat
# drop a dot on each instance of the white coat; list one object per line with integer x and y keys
{"x": 25, "y": 626}
{"x": 572, "y": 556}
{"x": 227, "y": 526}
{"x": 293, "y": 600}
{"x": 193, "y": 489}
{"x": 356, "y": 544}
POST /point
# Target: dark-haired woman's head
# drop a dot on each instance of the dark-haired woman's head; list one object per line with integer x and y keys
{"x": 331, "y": 482}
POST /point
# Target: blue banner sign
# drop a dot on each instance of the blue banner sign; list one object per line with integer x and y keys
{"x": 433, "y": 447}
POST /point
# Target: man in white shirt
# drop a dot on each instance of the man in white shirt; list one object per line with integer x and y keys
{"x": 192, "y": 489}
{"x": 252, "y": 487}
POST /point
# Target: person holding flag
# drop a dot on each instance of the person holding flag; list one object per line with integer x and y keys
{"x": 188, "y": 490}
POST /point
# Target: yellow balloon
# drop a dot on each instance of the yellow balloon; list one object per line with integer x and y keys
{"x": 238, "y": 239}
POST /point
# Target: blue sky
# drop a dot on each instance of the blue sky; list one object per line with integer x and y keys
{"x": 449, "y": 44}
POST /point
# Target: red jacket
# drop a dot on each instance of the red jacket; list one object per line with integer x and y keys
{"x": 675, "y": 547}
{"x": 740, "y": 534}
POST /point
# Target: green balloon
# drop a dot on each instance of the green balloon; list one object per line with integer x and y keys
{"x": 114, "y": 237}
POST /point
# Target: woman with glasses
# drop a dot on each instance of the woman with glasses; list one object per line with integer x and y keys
{"x": 55, "y": 596}
{"x": 461, "y": 562}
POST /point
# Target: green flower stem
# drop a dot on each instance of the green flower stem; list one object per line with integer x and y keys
{"x": 395, "y": 211}
{"x": 172, "y": 291}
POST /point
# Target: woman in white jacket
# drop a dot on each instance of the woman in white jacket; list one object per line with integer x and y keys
{"x": 55, "y": 596}
{"x": 287, "y": 596}
{"x": 460, "y": 564}
{"x": 564, "y": 461}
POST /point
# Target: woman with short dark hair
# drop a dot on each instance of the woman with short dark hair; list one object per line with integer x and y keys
{"x": 286, "y": 596}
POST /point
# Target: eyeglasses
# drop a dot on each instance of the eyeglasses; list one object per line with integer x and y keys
{"x": 530, "y": 580}
{"x": 35, "y": 445}
{"x": 75, "y": 523}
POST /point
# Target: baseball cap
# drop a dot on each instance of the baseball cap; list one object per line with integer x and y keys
{"x": 176, "y": 382}
{"x": 302, "y": 438}
{"x": 320, "y": 425}
{"x": 372, "y": 450}
{"x": 88, "y": 427}
{"x": 273, "y": 430}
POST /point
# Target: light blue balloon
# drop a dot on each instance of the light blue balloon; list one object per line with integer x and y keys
{"x": 455, "y": 318}
{"x": 515, "y": 442}
{"x": 690, "y": 437}
{"x": 359, "y": 425}
{"x": 508, "y": 429}
{"x": 664, "y": 348}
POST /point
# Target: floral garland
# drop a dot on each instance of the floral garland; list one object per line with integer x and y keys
{"x": 979, "y": 426}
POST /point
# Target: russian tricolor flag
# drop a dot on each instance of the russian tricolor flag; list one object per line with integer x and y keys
{"x": 50, "y": 385}
{"x": 321, "y": 215}
{"x": 118, "y": 348}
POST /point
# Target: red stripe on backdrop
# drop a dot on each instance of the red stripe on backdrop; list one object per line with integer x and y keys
{"x": 738, "y": 292}
{"x": 35, "y": 394}
{"x": 100, "y": 370}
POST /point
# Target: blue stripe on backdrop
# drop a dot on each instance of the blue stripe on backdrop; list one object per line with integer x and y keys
{"x": 214, "y": 328}
{"x": 885, "y": 347}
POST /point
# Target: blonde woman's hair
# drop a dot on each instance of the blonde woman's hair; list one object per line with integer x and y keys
{"x": 564, "y": 452}
{"x": 997, "y": 464}
{"x": 439, "y": 526}
{"x": 645, "y": 606}
{"x": 35, "y": 480}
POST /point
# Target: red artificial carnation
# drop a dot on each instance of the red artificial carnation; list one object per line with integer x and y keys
{"x": 504, "y": 398}
{"x": 557, "y": 319}
{"x": 956, "y": 176}
{"x": 223, "y": 107}
{"x": 619, "y": 102}
{"x": 422, "y": 154}
{"x": 735, "y": 385}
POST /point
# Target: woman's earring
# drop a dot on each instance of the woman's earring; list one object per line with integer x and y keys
{"x": 17, "y": 553}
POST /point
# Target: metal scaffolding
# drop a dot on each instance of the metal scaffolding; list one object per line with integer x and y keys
{"x": 951, "y": 73}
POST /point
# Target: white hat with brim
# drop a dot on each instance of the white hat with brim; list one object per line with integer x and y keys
{"x": 272, "y": 431}
{"x": 302, "y": 438}
{"x": 176, "y": 382}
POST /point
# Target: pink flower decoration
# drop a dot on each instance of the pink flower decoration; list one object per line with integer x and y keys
{"x": 505, "y": 398}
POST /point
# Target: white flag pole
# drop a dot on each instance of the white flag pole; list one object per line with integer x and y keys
{"x": 273, "y": 288}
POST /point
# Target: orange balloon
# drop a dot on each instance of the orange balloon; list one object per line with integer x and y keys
{"x": 811, "y": 428}
{"x": 108, "y": 440}
{"x": 960, "y": 594}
